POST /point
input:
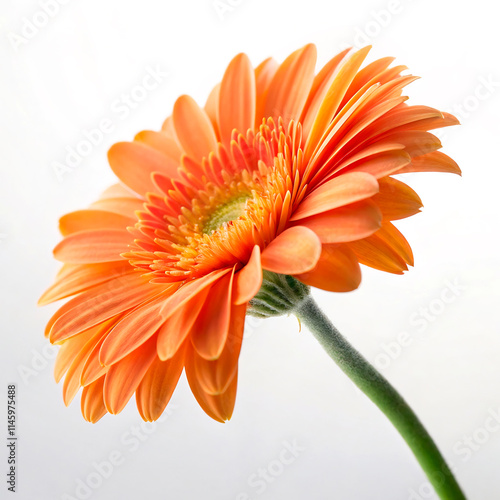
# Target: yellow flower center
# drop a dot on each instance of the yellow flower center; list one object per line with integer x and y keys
{"x": 225, "y": 213}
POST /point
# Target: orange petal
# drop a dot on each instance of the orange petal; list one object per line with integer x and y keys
{"x": 175, "y": 330}
{"x": 264, "y": 74}
{"x": 416, "y": 142}
{"x": 72, "y": 379}
{"x": 381, "y": 165}
{"x": 93, "y": 369}
{"x": 237, "y": 98}
{"x": 215, "y": 376}
{"x": 321, "y": 83}
{"x": 212, "y": 108}
{"x": 158, "y": 385}
{"x": 188, "y": 291}
{"x": 438, "y": 120}
{"x": 402, "y": 116}
{"x": 134, "y": 162}
{"x": 348, "y": 223}
{"x": 393, "y": 237}
{"x": 168, "y": 128}
{"x": 249, "y": 279}
{"x": 366, "y": 153}
{"x": 162, "y": 143}
{"x": 337, "y": 270}
{"x": 99, "y": 304}
{"x": 134, "y": 329}
{"x": 333, "y": 98}
{"x": 337, "y": 192}
{"x": 432, "y": 162}
{"x": 291, "y": 84}
{"x": 350, "y": 128}
{"x": 386, "y": 250}
{"x": 67, "y": 271}
{"x": 116, "y": 191}
{"x": 89, "y": 247}
{"x": 370, "y": 74}
{"x": 58, "y": 314}
{"x": 122, "y": 378}
{"x": 84, "y": 220}
{"x": 294, "y": 251}
{"x": 193, "y": 128}
{"x": 218, "y": 407}
{"x": 123, "y": 206}
{"x": 69, "y": 351}
{"x": 93, "y": 407}
{"x": 210, "y": 331}
{"x": 396, "y": 200}
{"x": 79, "y": 278}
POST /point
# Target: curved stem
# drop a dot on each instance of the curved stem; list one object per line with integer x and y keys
{"x": 380, "y": 391}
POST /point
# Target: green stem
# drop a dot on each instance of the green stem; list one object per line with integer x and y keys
{"x": 378, "y": 389}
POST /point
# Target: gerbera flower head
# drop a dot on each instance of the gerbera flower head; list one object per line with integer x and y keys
{"x": 283, "y": 172}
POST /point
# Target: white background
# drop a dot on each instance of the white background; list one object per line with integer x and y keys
{"x": 68, "y": 76}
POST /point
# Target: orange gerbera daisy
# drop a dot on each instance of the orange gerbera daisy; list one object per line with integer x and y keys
{"x": 283, "y": 171}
